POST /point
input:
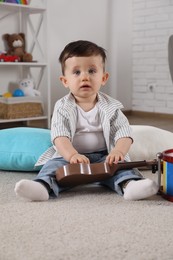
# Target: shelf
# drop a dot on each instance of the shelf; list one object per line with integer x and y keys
{"x": 29, "y": 64}
{"x": 32, "y": 20}
{"x": 23, "y": 8}
{"x": 22, "y": 119}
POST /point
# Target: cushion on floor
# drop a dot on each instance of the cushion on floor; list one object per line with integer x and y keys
{"x": 148, "y": 141}
{"x": 21, "y": 147}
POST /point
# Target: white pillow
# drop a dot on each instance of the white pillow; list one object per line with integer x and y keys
{"x": 148, "y": 141}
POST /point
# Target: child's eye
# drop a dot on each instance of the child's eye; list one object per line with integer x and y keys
{"x": 77, "y": 72}
{"x": 91, "y": 71}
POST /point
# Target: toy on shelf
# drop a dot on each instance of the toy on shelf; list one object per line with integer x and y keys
{"x": 9, "y": 58}
{"x": 16, "y": 46}
{"x": 7, "y": 95}
{"x": 27, "y": 86}
{"x": 18, "y": 93}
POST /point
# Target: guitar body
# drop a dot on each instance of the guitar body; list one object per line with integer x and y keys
{"x": 72, "y": 175}
{"x": 82, "y": 173}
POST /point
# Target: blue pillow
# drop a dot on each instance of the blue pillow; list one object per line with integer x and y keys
{"x": 21, "y": 147}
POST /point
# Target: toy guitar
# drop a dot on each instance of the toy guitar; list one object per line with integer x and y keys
{"x": 72, "y": 175}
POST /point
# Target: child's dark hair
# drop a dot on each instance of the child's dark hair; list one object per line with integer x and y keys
{"x": 81, "y": 49}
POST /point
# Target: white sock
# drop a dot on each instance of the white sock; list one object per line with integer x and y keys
{"x": 31, "y": 190}
{"x": 140, "y": 189}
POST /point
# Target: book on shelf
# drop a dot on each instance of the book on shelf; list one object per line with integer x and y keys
{"x": 21, "y": 2}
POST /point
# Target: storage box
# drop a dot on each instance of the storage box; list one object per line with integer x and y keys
{"x": 20, "y": 107}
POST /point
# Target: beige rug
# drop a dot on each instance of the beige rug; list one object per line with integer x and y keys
{"x": 85, "y": 223}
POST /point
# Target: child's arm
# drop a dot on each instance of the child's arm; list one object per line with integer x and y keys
{"x": 68, "y": 152}
{"x": 121, "y": 148}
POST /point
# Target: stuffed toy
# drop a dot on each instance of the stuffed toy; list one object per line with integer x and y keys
{"x": 16, "y": 46}
{"x": 27, "y": 86}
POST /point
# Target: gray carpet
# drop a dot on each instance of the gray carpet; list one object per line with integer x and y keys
{"x": 87, "y": 222}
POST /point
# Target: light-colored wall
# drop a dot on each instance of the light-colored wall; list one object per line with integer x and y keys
{"x": 102, "y": 22}
{"x": 70, "y": 21}
{"x": 120, "y": 51}
{"x": 152, "y": 26}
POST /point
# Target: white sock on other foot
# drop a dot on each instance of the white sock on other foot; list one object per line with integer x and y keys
{"x": 31, "y": 190}
{"x": 140, "y": 189}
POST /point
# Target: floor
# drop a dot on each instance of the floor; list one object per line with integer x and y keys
{"x": 165, "y": 123}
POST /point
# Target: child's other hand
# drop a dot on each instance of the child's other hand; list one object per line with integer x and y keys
{"x": 79, "y": 158}
{"x": 114, "y": 157}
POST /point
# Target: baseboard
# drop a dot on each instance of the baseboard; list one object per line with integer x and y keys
{"x": 147, "y": 114}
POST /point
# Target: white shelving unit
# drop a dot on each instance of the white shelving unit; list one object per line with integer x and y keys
{"x": 30, "y": 19}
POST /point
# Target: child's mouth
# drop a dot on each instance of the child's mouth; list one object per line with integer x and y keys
{"x": 85, "y": 86}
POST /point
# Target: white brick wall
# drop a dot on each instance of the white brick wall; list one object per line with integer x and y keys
{"x": 152, "y": 26}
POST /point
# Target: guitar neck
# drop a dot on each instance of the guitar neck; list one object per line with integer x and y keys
{"x": 136, "y": 164}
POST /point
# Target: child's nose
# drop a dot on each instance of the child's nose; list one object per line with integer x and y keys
{"x": 85, "y": 76}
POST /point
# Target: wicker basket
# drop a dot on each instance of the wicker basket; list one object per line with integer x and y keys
{"x": 20, "y": 107}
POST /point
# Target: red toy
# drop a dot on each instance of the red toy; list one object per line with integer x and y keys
{"x": 9, "y": 58}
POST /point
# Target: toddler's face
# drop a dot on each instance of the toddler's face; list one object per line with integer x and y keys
{"x": 84, "y": 76}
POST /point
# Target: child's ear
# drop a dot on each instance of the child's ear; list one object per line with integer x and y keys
{"x": 105, "y": 78}
{"x": 64, "y": 81}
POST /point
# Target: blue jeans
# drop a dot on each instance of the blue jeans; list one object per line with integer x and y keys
{"x": 47, "y": 174}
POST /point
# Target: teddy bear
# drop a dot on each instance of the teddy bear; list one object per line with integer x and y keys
{"x": 16, "y": 46}
{"x": 27, "y": 86}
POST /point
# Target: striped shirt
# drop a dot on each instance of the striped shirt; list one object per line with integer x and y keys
{"x": 64, "y": 120}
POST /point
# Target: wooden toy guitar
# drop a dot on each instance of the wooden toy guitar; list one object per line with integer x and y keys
{"x": 81, "y": 173}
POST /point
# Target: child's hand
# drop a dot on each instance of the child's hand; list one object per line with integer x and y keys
{"x": 114, "y": 157}
{"x": 79, "y": 158}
